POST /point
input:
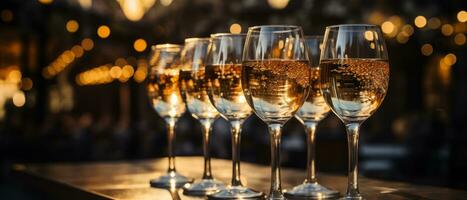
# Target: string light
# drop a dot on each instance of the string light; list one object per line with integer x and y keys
{"x": 19, "y": 99}
{"x": 388, "y": 27}
{"x": 462, "y": 16}
{"x": 447, "y": 29}
{"x": 140, "y": 45}
{"x": 459, "y": 39}
{"x": 72, "y": 26}
{"x": 103, "y": 31}
{"x": 278, "y": 4}
{"x": 420, "y": 21}
{"x": 235, "y": 28}
{"x": 45, "y": 1}
{"x": 87, "y": 44}
{"x": 427, "y": 49}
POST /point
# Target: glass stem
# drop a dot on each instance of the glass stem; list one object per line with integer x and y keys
{"x": 207, "y": 157}
{"x": 352, "y": 137}
{"x": 310, "y": 128}
{"x": 275, "y": 138}
{"x": 236, "y": 136}
{"x": 170, "y": 143}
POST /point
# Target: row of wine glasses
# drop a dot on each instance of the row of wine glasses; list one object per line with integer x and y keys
{"x": 278, "y": 74}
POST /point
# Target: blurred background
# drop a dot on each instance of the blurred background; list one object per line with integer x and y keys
{"x": 72, "y": 76}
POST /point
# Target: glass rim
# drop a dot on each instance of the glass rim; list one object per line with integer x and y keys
{"x": 194, "y": 39}
{"x": 166, "y": 45}
{"x": 216, "y": 35}
{"x": 351, "y": 26}
{"x": 288, "y": 28}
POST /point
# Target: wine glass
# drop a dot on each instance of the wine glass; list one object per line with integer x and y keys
{"x": 223, "y": 72}
{"x": 275, "y": 80}
{"x": 354, "y": 80}
{"x": 193, "y": 89}
{"x": 310, "y": 114}
{"x": 164, "y": 93}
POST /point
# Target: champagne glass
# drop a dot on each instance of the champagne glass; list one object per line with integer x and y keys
{"x": 354, "y": 80}
{"x": 275, "y": 80}
{"x": 223, "y": 71}
{"x": 164, "y": 93}
{"x": 310, "y": 114}
{"x": 193, "y": 89}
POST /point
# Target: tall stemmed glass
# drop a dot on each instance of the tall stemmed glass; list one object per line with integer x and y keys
{"x": 223, "y": 72}
{"x": 310, "y": 114}
{"x": 193, "y": 89}
{"x": 354, "y": 80}
{"x": 164, "y": 92}
{"x": 275, "y": 80}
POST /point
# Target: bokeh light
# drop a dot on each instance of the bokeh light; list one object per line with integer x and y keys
{"x": 6, "y": 15}
{"x": 87, "y": 44}
{"x": 235, "y": 28}
{"x": 459, "y": 39}
{"x": 427, "y": 49}
{"x": 462, "y": 16}
{"x": 420, "y": 21}
{"x": 447, "y": 29}
{"x": 103, "y": 31}
{"x": 72, "y": 26}
{"x": 140, "y": 45}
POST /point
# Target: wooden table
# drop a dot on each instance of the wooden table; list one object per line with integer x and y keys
{"x": 130, "y": 180}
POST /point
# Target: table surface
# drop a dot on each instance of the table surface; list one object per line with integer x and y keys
{"x": 130, "y": 180}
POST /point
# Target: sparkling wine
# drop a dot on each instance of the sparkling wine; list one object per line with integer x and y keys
{"x": 164, "y": 93}
{"x": 193, "y": 87}
{"x": 276, "y": 89}
{"x": 354, "y": 88}
{"x": 314, "y": 108}
{"x": 225, "y": 90}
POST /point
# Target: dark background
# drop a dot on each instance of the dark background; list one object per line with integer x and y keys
{"x": 418, "y": 135}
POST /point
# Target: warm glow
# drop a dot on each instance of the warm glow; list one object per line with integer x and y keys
{"x": 72, "y": 26}
{"x": 134, "y": 10}
{"x": 26, "y": 84}
{"x": 235, "y": 28}
{"x": 407, "y": 29}
{"x": 166, "y": 2}
{"x": 450, "y": 59}
{"x": 120, "y": 62}
{"x": 45, "y": 1}
{"x": 87, "y": 44}
{"x": 103, "y": 31}
{"x": 462, "y": 16}
{"x": 127, "y": 71}
{"x": 278, "y": 4}
{"x": 14, "y": 76}
{"x": 140, "y": 45}
{"x": 19, "y": 99}
{"x": 139, "y": 76}
{"x": 6, "y": 15}
{"x": 86, "y": 4}
{"x": 388, "y": 27}
{"x": 427, "y": 49}
{"x": 447, "y": 29}
{"x": 369, "y": 35}
{"x": 78, "y": 51}
{"x": 434, "y": 23}
{"x": 402, "y": 38}
{"x": 115, "y": 72}
{"x": 459, "y": 39}
{"x": 68, "y": 57}
{"x": 420, "y": 21}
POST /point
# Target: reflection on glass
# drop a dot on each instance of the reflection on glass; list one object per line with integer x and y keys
{"x": 275, "y": 80}
{"x": 354, "y": 80}
{"x": 224, "y": 88}
{"x": 164, "y": 93}
{"x": 193, "y": 88}
{"x": 310, "y": 114}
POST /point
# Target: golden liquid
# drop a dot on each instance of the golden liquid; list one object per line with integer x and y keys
{"x": 225, "y": 90}
{"x": 315, "y": 107}
{"x": 354, "y": 88}
{"x": 194, "y": 91}
{"x": 164, "y": 93}
{"x": 276, "y": 89}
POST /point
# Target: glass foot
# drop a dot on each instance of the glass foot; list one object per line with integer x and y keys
{"x": 311, "y": 191}
{"x": 353, "y": 197}
{"x": 170, "y": 180}
{"x": 236, "y": 192}
{"x": 203, "y": 187}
